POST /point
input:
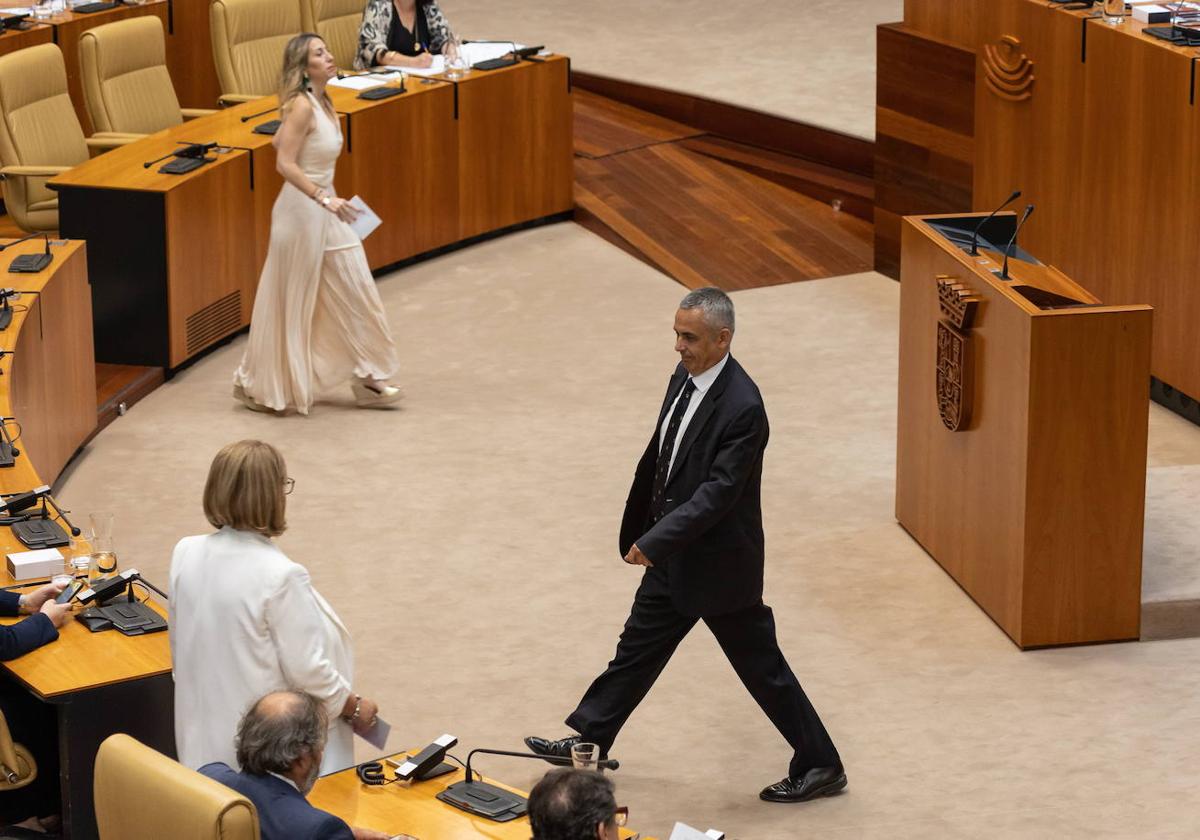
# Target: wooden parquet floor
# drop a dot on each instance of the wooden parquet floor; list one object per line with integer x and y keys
{"x": 709, "y": 211}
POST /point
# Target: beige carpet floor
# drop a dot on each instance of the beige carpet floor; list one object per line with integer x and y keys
{"x": 468, "y": 540}
{"x": 807, "y": 60}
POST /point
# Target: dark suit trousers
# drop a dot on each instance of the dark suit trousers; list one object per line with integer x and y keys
{"x": 653, "y": 631}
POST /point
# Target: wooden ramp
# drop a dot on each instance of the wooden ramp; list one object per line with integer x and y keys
{"x": 711, "y": 211}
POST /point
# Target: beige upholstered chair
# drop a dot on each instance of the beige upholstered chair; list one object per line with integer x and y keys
{"x": 248, "y": 37}
{"x": 125, "y": 78}
{"x": 17, "y": 767}
{"x": 40, "y": 135}
{"x": 139, "y": 792}
{"x": 337, "y": 22}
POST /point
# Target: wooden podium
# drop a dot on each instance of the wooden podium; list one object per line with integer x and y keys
{"x": 1021, "y": 439}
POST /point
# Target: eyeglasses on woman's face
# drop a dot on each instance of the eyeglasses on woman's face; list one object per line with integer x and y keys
{"x": 289, "y": 484}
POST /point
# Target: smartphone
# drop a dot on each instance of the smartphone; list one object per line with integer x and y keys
{"x": 69, "y": 592}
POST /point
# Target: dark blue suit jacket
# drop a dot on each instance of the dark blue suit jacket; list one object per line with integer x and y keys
{"x": 283, "y": 812}
{"x": 26, "y": 635}
{"x": 710, "y": 538}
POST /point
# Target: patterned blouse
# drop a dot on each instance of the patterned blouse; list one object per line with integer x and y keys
{"x": 377, "y": 23}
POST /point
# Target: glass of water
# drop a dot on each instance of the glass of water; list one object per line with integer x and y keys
{"x": 456, "y": 61}
{"x": 103, "y": 553}
{"x": 585, "y": 756}
{"x": 1114, "y": 11}
{"x": 80, "y": 557}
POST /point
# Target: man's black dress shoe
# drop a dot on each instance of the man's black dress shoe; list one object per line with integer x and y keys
{"x": 560, "y": 748}
{"x": 817, "y": 782}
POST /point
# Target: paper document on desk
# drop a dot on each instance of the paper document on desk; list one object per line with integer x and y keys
{"x": 363, "y": 82}
{"x": 438, "y": 67}
{"x": 367, "y": 221}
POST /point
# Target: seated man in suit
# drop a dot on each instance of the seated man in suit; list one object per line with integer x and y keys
{"x": 39, "y": 629}
{"x": 280, "y": 742}
{"x": 31, "y": 722}
{"x": 569, "y": 804}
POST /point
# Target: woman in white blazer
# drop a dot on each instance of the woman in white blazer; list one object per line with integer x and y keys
{"x": 245, "y": 620}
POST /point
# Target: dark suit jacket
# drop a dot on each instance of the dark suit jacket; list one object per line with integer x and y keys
{"x": 24, "y": 636}
{"x": 710, "y": 539}
{"x": 283, "y": 812}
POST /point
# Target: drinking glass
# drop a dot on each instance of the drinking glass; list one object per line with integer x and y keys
{"x": 456, "y": 61}
{"x": 63, "y": 576}
{"x": 585, "y": 756}
{"x": 79, "y": 556}
{"x": 1114, "y": 11}
{"x": 102, "y": 543}
{"x": 42, "y": 10}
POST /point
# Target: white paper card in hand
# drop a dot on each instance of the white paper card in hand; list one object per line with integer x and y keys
{"x": 683, "y": 831}
{"x": 377, "y": 735}
{"x": 367, "y": 221}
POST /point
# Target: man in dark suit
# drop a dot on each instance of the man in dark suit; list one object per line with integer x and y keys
{"x": 280, "y": 742}
{"x": 694, "y": 520}
{"x": 31, "y": 721}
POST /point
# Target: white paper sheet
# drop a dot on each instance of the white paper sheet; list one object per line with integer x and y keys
{"x": 367, "y": 221}
{"x": 363, "y": 82}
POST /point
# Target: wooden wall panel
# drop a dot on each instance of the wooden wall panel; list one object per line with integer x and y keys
{"x": 924, "y": 133}
{"x": 190, "y": 55}
{"x": 956, "y": 21}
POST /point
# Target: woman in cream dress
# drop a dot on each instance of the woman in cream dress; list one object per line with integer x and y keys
{"x": 318, "y": 321}
{"x": 245, "y": 620}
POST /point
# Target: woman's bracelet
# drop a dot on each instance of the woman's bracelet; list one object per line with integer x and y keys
{"x": 357, "y": 710}
{"x": 320, "y": 197}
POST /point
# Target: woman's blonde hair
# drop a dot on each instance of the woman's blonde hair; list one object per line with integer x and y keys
{"x": 293, "y": 81}
{"x": 245, "y": 488}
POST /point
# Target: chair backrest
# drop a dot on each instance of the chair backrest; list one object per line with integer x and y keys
{"x": 248, "y": 37}
{"x": 38, "y": 126}
{"x": 337, "y": 22}
{"x": 125, "y": 78}
{"x": 140, "y": 792}
{"x": 17, "y": 767}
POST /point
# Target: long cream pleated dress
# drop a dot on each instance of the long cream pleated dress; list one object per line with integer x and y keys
{"x": 318, "y": 320}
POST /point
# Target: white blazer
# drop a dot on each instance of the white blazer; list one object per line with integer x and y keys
{"x": 244, "y": 621}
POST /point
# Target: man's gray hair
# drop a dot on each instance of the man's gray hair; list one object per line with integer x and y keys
{"x": 718, "y": 308}
{"x": 279, "y": 729}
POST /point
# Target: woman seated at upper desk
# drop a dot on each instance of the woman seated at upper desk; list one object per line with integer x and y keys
{"x": 400, "y": 33}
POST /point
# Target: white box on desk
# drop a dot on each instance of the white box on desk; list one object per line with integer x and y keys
{"x": 32, "y": 565}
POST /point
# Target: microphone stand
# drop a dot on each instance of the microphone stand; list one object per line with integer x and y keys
{"x": 1008, "y": 248}
{"x": 484, "y": 799}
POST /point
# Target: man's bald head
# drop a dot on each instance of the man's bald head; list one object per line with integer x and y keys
{"x": 281, "y": 728}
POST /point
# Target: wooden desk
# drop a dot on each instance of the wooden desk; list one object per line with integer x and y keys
{"x": 412, "y": 808}
{"x": 98, "y": 683}
{"x": 190, "y": 55}
{"x": 33, "y": 34}
{"x": 436, "y": 176}
{"x": 68, "y": 26}
{"x": 49, "y": 384}
{"x": 1034, "y": 504}
{"x": 1102, "y": 135}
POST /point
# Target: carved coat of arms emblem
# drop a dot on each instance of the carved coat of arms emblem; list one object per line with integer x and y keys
{"x": 954, "y": 364}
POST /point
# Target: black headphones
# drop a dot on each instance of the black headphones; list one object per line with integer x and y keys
{"x": 371, "y": 773}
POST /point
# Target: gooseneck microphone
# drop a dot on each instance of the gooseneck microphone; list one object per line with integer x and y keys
{"x": 975, "y": 237}
{"x": 249, "y": 117}
{"x": 562, "y": 761}
{"x": 1013, "y": 241}
{"x": 496, "y": 803}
